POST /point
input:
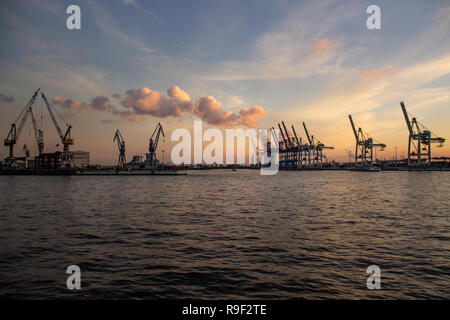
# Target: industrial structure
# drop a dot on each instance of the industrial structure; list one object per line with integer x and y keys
{"x": 293, "y": 153}
{"x": 419, "y": 141}
{"x": 296, "y": 155}
{"x": 66, "y": 140}
{"x": 66, "y": 158}
{"x": 121, "y": 146}
{"x": 14, "y": 132}
{"x": 153, "y": 145}
{"x": 364, "y": 145}
{"x": 137, "y": 161}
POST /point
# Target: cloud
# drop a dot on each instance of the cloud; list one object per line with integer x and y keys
{"x": 69, "y": 104}
{"x": 146, "y": 101}
{"x": 251, "y": 116}
{"x": 378, "y": 73}
{"x": 99, "y": 103}
{"x": 106, "y": 22}
{"x": 210, "y": 110}
{"x": 7, "y": 99}
{"x": 138, "y": 103}
{"x": 295, "y": 47}
{"x": 323, "y": 46}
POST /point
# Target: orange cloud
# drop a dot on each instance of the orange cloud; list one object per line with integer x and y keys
{"x": 145, "y": 101}
{"x": 378, "y": 74}
{"x": 210, "y": 110}
{"x": 251, "y": 116}
{"x": 323, "y": 46}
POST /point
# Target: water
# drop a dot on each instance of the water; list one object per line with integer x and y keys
{"x": 228, "y": 235}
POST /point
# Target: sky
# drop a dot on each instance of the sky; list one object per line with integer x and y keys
{"x": 232, "y": 64}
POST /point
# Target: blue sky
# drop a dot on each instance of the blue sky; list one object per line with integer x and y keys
{"x": 312, "y": 61}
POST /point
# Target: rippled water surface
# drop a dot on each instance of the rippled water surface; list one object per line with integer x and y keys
{"x": 229, "y": 235}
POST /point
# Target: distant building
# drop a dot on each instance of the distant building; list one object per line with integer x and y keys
{"x": 48, "y": 161}
{"x": 79, "y": 159}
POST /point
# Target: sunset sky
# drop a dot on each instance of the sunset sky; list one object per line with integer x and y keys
{"x": 234, "y": 63}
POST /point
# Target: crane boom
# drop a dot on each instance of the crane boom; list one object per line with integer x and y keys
{"x": 27, "y": 111}
{"x": 307, "y": 134}
{"x": 287, "y": 134}
{"x": 52, "y": 116}
{"x": 295, "y": 135}
{"x": 275, "y": 136}
{"x": 353, "y": 127}
{"x": 65, "y": 138}
{"x": 285, "y": 143}
{"x": 38, "y": 134}
{"x": 405, "y": 114}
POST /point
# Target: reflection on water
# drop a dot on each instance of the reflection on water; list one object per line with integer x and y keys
{"x": 224, "y": 234}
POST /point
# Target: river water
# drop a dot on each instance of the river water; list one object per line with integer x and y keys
{"x": 221, "y": 234}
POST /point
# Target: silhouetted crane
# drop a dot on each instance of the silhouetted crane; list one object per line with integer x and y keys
{"x": 14, "y": 132}
{"x": 153, "y": 144}
{"x": 121, "y": 146}
{"x": 364, "y": 144}
{"x": 423, "y": 137}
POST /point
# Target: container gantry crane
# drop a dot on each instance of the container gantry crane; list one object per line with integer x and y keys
{"x": 419, "y": 153}
{"x": 153, "y": 144}
{"x": 364, "y": 145}
{"x": 65, "y": 138}
{"x": 121, "y": 146}
{"x": 315, "y": 150}
{"x": 14, "y": 132}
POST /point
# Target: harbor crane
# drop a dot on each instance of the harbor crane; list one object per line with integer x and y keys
{"x": 420, "y": 140}
{"x": 121, "y": 146}
{"x": 153, "y": 144}
{"x": 14, "y": 132}
{"x": 315, "y": 148}
{"x": 65, "y": 138}
{"x": 364, "y": 145}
